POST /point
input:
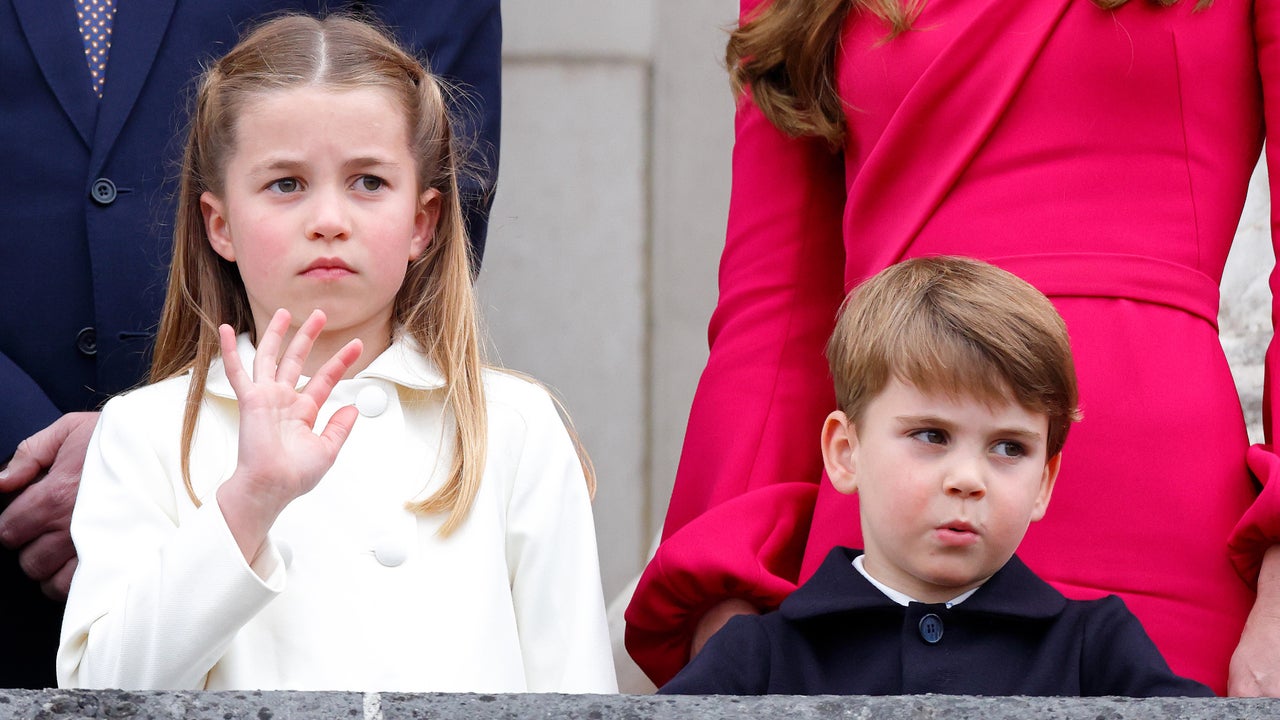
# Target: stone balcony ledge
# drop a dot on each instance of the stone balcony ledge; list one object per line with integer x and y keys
{"x": 119, "y": 705}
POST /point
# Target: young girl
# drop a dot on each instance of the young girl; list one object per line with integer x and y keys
{"x": 437, "y": 533}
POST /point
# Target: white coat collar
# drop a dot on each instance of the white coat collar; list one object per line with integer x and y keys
{"x": 403, "y": 363}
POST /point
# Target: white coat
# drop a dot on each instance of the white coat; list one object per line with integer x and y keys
{"x": 353, "y": 592}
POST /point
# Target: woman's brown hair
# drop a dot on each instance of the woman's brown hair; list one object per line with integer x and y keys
{"x": 785, "y": 53}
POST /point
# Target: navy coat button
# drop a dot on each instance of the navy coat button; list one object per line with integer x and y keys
{"x": 931, "y": 628}
{"x": 103, "y": 191}
{"x": 87, "y": 341}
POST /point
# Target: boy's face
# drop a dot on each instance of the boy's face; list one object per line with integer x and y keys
{"x": 947, "y": 486}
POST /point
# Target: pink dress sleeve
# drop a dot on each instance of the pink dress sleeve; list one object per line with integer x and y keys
{"x": 1259, "y": 529}
{"x": 748, "y": 474}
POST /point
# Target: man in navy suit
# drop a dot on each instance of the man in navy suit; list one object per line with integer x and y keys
{"x": 86, "y": 206}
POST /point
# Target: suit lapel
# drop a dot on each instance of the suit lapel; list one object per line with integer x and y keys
{"x": 137, "y": 30}
{"x": 52, "y": 31}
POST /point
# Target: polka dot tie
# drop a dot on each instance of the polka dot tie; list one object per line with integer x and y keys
{"x": 95, "y": 29}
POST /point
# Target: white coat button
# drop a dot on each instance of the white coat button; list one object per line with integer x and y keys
{"x": 371, "y": 401}
{"x": 390, "y": 552}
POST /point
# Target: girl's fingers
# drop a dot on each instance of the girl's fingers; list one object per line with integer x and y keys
{"x": 264, "y": 363}
{"x": 290, "y": 367}
{"x": 338, "y": 429}
{"x": 331, "y": 372}
{"x": 231, "y": 360}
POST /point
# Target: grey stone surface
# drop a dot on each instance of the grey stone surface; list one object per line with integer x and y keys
{"x": 58, "y": 705}
{"x": 692, "y": 145}
{"x": 1244, "y": 316}
{"x": 586, "y": 30}
{"x": 564, "y": 285}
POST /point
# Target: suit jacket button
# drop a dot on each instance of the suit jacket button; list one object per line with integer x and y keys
{"x": 87, "y": 342}
{"x": 931, "y": 628}
{"x": 103, "y": 191}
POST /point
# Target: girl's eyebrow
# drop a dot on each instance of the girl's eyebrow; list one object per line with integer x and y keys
{"x": 291, "y": 164}
{"x": 277, "y": 164}
{"x": 370, "y": 162}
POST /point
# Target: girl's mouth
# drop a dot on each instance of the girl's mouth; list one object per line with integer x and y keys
{"x": 327, "y": 269}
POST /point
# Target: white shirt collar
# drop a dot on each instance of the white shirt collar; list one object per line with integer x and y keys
{"x": 403, "y": 363}
{"x": 903, "y": 598}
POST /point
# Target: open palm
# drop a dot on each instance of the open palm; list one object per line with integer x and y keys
{"x": 281, "y": 457}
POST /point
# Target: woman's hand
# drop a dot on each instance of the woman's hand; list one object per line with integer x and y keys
{"x": 1255, "y": 666}
{"x": 281, "y": 457}
{"x": 715, "y": 618}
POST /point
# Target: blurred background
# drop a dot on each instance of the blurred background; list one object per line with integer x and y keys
{"x": 600, "y": 271}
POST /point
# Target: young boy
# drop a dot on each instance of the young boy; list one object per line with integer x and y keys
{"x": 956, "y": 390}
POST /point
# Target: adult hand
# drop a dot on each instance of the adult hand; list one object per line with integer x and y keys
{"x": 45, "y": 472}
{"x": 1255, "y": 665}
{"x": 715, "y": 618}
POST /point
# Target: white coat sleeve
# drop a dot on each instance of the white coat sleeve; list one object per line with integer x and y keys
{"x": 161, "y": 588}
{"x": 553, "y": 564}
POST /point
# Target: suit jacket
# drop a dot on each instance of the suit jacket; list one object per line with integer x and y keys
{"x": 86, "y": 204}
{"x": 837, "y": 634}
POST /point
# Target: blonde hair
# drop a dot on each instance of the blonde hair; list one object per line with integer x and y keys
{"x": 785, "y": 53}
{"x": 435, "y": 305}
{"x": 956, "y": 326}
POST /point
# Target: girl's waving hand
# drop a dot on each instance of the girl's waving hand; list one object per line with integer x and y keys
{"x": 281, "y": 457}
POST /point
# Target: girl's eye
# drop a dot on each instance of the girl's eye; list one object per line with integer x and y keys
{"x": 369, "y": 183}
{"x": 285, "y": 185}
{"x": 930, "y": 436}
{"x": 1006, "y": 448}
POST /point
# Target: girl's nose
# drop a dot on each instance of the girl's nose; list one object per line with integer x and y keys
{"x": 328, "y": 218}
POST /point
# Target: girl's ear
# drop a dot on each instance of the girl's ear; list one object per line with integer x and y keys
{"x": 424, "y": 223}
{"x": 839, "y": 445}
{"x": 1047, "y": 480}
{"x": 215, "y": 226}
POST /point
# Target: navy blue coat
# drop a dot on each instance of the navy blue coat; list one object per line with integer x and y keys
{"x": 82, "y": 276}
{"x": 839, "y": 635}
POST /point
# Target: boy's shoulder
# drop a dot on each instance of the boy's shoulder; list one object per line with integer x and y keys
{"x": 836, "y": 587}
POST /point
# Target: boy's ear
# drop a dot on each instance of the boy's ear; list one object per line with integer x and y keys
{"x": 215, "y": 226}
{"x": 424, "y": 223}
{"x": 839, "y": 445}
{"x": 1047, "y": 480}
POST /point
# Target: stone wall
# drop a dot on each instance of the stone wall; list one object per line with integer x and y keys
{"x": 60, "y": 705}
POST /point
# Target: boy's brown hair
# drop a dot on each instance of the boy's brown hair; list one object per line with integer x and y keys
{"x": 956, "y": 326}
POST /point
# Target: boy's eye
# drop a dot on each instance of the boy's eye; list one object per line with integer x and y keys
{"x": 1010, "y": 449}
{"x": 285, "y": 185}
{"x": 369, "y": 183}
{"x": 933, "y": 437}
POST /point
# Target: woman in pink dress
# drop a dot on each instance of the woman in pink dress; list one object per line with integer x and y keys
{"x": 1102, "y": 151}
